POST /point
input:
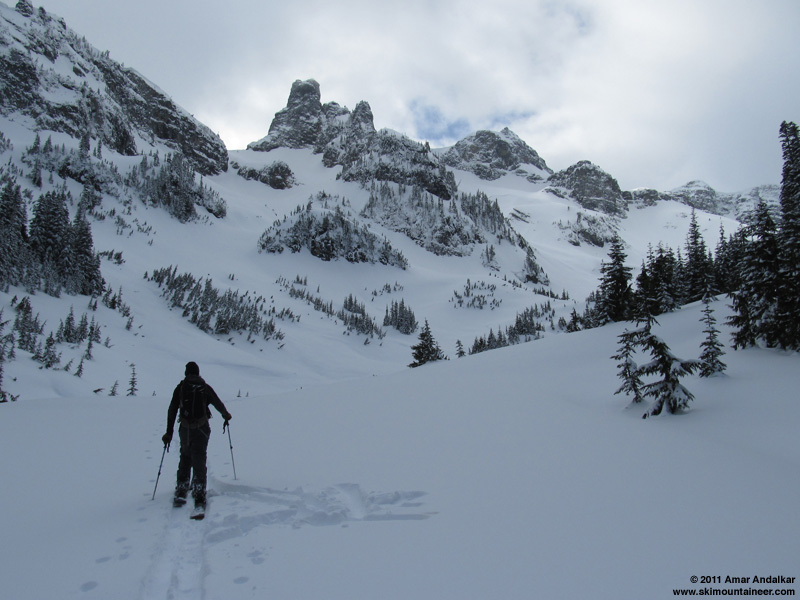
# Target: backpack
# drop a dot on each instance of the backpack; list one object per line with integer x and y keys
{"x": 194, "y": 405}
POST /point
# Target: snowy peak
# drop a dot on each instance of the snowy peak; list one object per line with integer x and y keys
{"x": 490, "y": 155}
{"x": 306, "y": 123}
{"x": 590, "y": 186}
{"x": 299, "y": 124}
{"x": 697, "y": 194}
{"x": 350, "y": 140}
{"x": 54, "y": 80}
{"x": 700, "y": 195}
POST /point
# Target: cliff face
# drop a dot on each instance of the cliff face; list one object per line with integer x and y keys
{"x": 591, "y": 187}
{"x": 349, "y": 139}
{"x": 55, "y": 80}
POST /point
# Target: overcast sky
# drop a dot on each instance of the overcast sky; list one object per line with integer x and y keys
{"x": 656, "y": 92}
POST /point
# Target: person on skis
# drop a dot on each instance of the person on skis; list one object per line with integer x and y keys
{"x": 190, "y": 402}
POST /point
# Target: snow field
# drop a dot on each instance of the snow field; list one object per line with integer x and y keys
{"x": 513, "y": 474}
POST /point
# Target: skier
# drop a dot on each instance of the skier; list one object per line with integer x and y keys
{"x": 190, "y": 400}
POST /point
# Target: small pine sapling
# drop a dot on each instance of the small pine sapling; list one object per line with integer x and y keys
{"x": 628, "y": 369}
{"x": 710, "y": 363}
{"x": 132, "y": 389}
{"x": 667, "y": 391}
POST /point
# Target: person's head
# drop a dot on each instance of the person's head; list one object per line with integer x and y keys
{"x": 192, "y": 368}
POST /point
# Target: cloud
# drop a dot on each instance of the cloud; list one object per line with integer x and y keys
{"x": 432, "y": 125}
{"x": 656, "y": 93}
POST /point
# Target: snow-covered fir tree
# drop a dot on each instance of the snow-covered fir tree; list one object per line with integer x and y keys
{"x": 628, "y": 369}
{"x": 756, "y": 299}
{"x": 50, "y": 358}
{"x": 614, "y": 295}
{"x": 427, "y": 349}
{"x": 667, "y": 391}
{"x": 698, "y": 266}
{"x": 712, "y": 348}
{"x": 401, "y": 317}
{"x": 4, "y": 342}
{"x": 14, "y": 257}
{"x": 787, "y": 312}
{"x": 133, "y": 382}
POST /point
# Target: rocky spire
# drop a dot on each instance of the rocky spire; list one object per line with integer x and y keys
{"x": 24, "y": 7}
{"x": 299, "y": 124}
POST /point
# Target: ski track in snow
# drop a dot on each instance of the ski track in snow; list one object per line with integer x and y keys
{"x": 179, "y": 564}
{"x": 238, "y": 509}
{"x": 178, "y": 567}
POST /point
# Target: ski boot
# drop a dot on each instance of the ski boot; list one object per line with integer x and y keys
{"x": 181, "y": 491}
{"x": 199, "y": 493}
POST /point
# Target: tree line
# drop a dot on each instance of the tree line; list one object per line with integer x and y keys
{"x": 758, "y": 267}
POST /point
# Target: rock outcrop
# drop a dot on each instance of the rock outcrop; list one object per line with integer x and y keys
{"x": 490, "y": 155}
{"x": 349, "y": 139}
{"x": 54, "y": 80}
{"x": 591, "y": 187}
{"x": 700, "y": 195}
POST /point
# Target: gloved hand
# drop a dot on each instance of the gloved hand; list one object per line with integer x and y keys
{"x": 166, "y": 438}
{"x": 227, "y": 416}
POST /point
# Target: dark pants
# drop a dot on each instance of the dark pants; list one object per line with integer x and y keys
{"x": 194, "y": 445}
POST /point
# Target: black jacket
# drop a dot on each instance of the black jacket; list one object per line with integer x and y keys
{"x": 210, "y": 395}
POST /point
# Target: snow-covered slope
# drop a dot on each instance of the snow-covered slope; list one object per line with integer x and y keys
{"x": 512, "y": 474}
{"x": 53, "y": 79}
{"x": 515, "y": 474}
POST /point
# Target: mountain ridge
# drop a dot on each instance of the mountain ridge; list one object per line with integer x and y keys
{"x": 350, "y": 140}
{"x": 59, "y": 82}
{"x": 346, "y": 200}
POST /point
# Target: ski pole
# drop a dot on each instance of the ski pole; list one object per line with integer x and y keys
{"x": 166, "y": 447}
{"x": 227, "y": 426}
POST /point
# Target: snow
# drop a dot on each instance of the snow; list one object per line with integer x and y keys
{"x": 516, "y": 473}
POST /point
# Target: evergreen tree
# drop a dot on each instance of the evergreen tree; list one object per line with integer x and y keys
{"x": 755, "y": 302}
{"x": 86, "y": 278}
{"x": 51, "y": 239}
{"x": 666, "y": 289}
{"x": 132, "y": 389}
{"x": 460, "y": 353}
{"x": 50, "y": 358}
{"x": 722, "y": 265}
{"x": 89, "y": 200}
{"x": 628, "y": 371}
{"x": 667, "y": 391}
{"x": 67, "y": 329}
{"x": 656, "y": 285}
{"x": 401, "y": 317}
{"x": 427, "y": 349}
{"x": 712, "y": 348}
{"x": 13, "y": 235}
{"x": 729, "y": 257}
{"x": 788, "y": 300}
{"x": 614, "y": 295}
{"x": 698, "y": 270}
{"x": 3, "y": 341}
